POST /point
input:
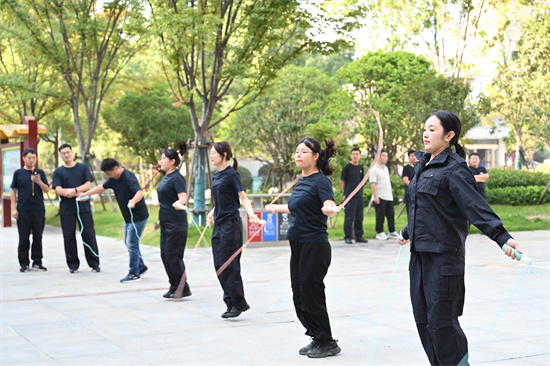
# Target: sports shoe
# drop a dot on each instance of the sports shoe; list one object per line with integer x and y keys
{"x": 143, "y": 270}
{"x": 324, "y": 349}
{"x": 394, "y": 235}
{"x": 235, "y": 312}
{"x": 169, "y": 294}
{"x": 304, "y": 350}
{"x": 382, "y": 236}
{"x": 73, "y": 270}
{"x": 348, "y": 241}
{"x": 39, "y": 267}
{"x": 361, "y": 240}
{"x": 96, "y": 269}
{"x": 172, "y": 294}
{"x": 24, "y": 269}
{"x": 130, "y": 278}
{"x": 224, "y": 315}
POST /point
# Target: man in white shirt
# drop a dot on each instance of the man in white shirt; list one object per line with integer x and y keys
{"x": 383, "y": 198}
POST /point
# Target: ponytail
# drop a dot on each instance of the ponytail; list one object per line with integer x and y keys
{"x": 235, "y": 164}
{"x": 182, "y": 146}
{"x": 460, "y": 150}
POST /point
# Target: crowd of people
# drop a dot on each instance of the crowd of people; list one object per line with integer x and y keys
{"x": 443, "y": 197}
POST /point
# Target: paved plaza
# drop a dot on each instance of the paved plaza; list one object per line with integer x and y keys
{"x": 58, "y": 318}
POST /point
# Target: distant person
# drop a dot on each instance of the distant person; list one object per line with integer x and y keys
{"x": 69, "y": 180}
{"x": 383, "y": 198}
{"x": 26, "y": 187}
{"x": 444, "y": 200}
{"x": 311, "y": 202}
{"x": 408, "y": 174}
{"x": 172, "y": 196}
{"x": 227, "y": 235}
{"x": 351, "y": 176}
{"x": 128, "y": 193}
{"x": 480, "y": 173}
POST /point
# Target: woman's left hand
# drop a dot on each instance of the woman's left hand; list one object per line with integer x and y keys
{"x": 255, "y": 220}
{"x": 331, "y": 210}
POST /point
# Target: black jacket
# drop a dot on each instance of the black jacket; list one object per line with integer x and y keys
{"x": 443, "y": 202}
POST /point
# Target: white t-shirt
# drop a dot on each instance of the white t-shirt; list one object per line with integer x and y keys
{"x": 381, "y": 176}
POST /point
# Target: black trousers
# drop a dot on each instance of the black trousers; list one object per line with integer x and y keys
{"x": 173, "y": 238}
{"x": 354, "y": 217}
{"x": 27, "y": 221}
{"x": 384, "y": 209}
{"x": 227, "y": 238}
{"x": 437, "y": 295}
{"x": 309, "y": 264}
{"x": 68, "y": 227}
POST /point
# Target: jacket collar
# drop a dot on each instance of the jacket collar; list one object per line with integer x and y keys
{"x": 424, "y": 157}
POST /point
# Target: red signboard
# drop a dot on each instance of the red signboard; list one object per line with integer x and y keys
{"x": 253, "y": 228}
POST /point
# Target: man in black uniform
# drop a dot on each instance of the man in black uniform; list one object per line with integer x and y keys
{"x": 408, "y": 174}
{"x": 69, "y": 180}
{"x": 27, "y": 186}
{"x": 480, "y": 173}
{"x": 351, "y": 176}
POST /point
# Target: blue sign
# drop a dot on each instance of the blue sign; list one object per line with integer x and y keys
{"x": 270, "y": 228}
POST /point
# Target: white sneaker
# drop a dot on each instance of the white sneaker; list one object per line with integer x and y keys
{"x": 394, "y": 235}
{"x": 382, "y": 236}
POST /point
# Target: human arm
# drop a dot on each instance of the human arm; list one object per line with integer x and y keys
{"x": 329, "y": 208}
{"x": 248, "y": 206}
{"x": 40, "y": 179}
{"x": 481, "y": 178}
{"x": 178, "y": 205}
{"x": 374, "y": 194}
{"x": 406, "y": 180}
{"x": 509, "y": 252}
{"x": 96, "y": 190}
{"x": 271, "y": 208}
{"x": 13, "y": 200}
{"x": 210, "y": 217}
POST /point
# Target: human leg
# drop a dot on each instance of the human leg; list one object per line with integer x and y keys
{"x": 24, "y": 231}
{"x": 132, "y": 233}
{"x": 68, "y": 228}
{"x": 358, "y": 224}
{"x": 91, "y": 250}
{"x": 390, "y": 215}
{"x": 38, "y": 222}
{"x": 176, "y": 239}
{"x": 380, "y": 210}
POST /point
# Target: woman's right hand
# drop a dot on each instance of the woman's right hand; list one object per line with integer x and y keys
{"x": 271, "y": 208}
{"x": 209, "y": 219}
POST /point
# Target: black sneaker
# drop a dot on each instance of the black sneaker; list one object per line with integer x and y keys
{"x": 73, "y": 270}
{"x": 172, "y": 294}
{"x": 224, "y": 315}
{"x": 24, "y": 269}
{"x": 143, "y": 270}
{"x": 130, "y": 278}
{"x": 235, "y": 312}
{"x": 324, "y": 349}
{"x": 39, "y": 267}
{"x": 304, "y": 350}
{"x": 96, "y": 269}
{"x": 169, "y": 294}
{"x": 361, "y": 240}
{"x": 348, "y": 241}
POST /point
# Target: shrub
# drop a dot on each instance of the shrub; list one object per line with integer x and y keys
{"x": 502, "y": 178}
{"x": 528, "y": 195}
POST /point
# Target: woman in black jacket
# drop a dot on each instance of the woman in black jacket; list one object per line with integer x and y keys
{"x": 443, "y": 202}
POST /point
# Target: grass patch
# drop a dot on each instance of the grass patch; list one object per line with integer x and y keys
{"x": 110, "y": 224}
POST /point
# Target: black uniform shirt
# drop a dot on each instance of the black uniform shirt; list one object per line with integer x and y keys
{"x": 71, "y": 178}
{"x": 308, "y": 224}
{"x": 443, "y": 201}
{"x": 352, "y": 175}
{"x": 26, "y": 201}
{"x": 226, "y": 186}
{"x": 168, "y": 190}
{"x": 477, "y": 171}
{"x": 125, "y": 188}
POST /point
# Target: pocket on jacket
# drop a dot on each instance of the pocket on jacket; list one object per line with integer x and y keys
{"x": 429, "y": 183}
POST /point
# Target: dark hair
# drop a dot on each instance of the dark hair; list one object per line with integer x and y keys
{"x": 474, "y": 154}
{"x": 108, "y": 164}
{"x": 410, "y": 152}
{"x": 64, "y": 146}
{"x": 29, "y": 150}
{"x": 383, "y": 150}
{"x": 224, "y": 148}
{"x": 355, "y": 149}
{"x": 175, "y": 155}
{"x": 324, "y": 155}
{"x": 451, "y": 122}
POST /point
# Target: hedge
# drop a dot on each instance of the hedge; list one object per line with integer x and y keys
{"x": 517, "y": 195}
{"x": 502, "y": 178}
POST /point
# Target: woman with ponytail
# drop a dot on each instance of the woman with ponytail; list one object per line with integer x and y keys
{"x": 227, "y": 235}
{"x": 309, "y": 205}
{"x": 173, "y": 219}
{"x": 443, "y": 201}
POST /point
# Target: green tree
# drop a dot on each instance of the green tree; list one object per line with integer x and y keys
{"x": 227, "y": 52}
{"x": 295, "y": 106}
{"x": 520, "y": 91}
{"x": 86, "y": 41}
{"x": 404, "y": 89}
{"x": 149, "y": 122}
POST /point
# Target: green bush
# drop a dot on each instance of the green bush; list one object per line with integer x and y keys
{"x": 517, "y": 195}
{"x": 246, "y": 177}
{"x": 502, "y": 178}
